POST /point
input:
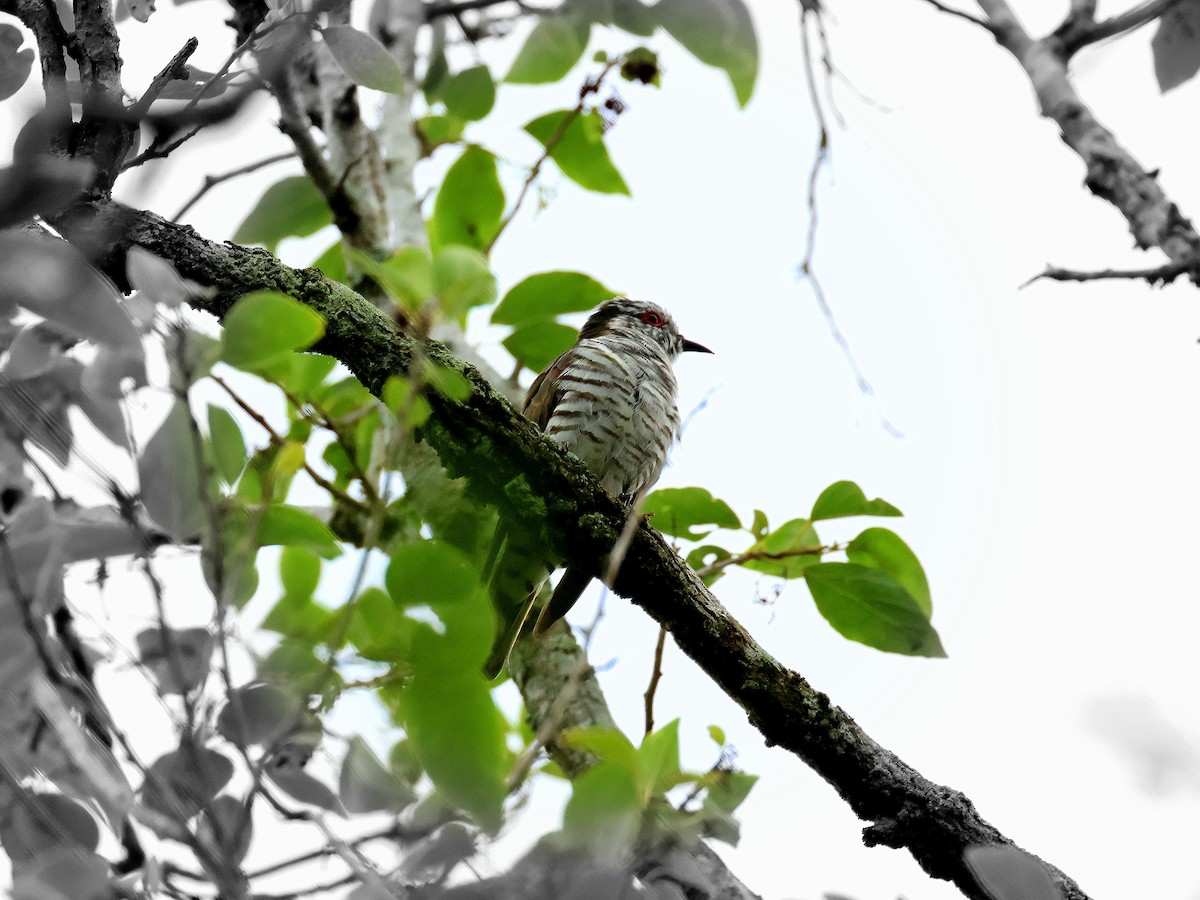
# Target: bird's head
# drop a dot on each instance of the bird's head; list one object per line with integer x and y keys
{"x": 646, "y": 320}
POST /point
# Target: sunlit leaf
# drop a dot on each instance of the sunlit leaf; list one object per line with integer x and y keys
{"x": 576, "y": 144}
{"x": 469, "y": 94}
{"x": 845, "y": 498}
{"x": 871, "y": 607}
{"x": 659, "y": 755}
{"x": 228, "y": 446}
{"x": 719, "y": 33}
{"x": 604, "y": 811}
{"x": 264, "y": 325}
{"x": 537, "y": 344}
{"x": 364, "y": 60}
{"x": 879, "y": 548}
{"x": 457, "y": 735}
{"x": 292, "y": 207}
{"x": 552, "y": 49}
{"x": 292, "y": 526}
{"x": 549, "y": 294}
{"x": 677, "y": 512}
{"x": 469, "y": 203}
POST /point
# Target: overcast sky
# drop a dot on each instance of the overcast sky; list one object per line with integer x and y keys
{"x": 1047, "y": 464}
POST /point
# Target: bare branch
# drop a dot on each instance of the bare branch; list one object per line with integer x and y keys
{"x": 960, "y": 14}
{"x": 1113, "y": 174}
{"x": 1081, "y": 28}
{"x": 448, "y": 8}
{"x": 211, "y": 181}
{"x": 172, "y": 71}
{"x": 655, "y": 678}
{"x": 1159, "y": 275}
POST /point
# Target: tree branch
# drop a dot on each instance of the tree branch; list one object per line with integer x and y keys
{"x": 1081, "y": 28}
{"x": 1113, "y": 174}
{"x": 1158, "y": 275}
{"x": 508, "y": 463}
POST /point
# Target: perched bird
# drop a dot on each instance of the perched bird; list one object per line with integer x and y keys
{"x": 610, "y": 400}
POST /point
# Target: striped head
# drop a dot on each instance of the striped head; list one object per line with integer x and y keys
{"x": 641, "y": 321}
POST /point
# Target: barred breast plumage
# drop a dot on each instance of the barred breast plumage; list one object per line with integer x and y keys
{"x": 610, "y": 399}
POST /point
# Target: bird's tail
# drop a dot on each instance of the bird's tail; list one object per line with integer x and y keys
{"x": 568, "y": 590}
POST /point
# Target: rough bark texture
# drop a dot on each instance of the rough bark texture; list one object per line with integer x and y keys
{"x": 507, "y": 463}
{"x": 1113, "y": 173}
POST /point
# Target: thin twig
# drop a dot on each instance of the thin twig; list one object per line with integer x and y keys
{"x": 590, "y": 86}
{"x": 1127, "y": 21}
{"x": 655, "y": 678}
{"x": 1158, "y": 275}
{"x": 754, "y": 555}
{"x": 960, "y": 14}
{"x": 807, "y": 269}
{"x": 279, "y": 440}
{"x": 211, "y": 181}
{"x": 392, "y": 831}
{"x": 172, "y": 71}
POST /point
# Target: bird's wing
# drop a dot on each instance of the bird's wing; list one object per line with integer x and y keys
{"x": 546, "y": 392}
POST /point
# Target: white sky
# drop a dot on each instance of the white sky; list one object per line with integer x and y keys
{"x": 1048, "y": 468}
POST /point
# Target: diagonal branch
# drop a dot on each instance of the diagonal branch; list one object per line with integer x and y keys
{"x": 1113, "y": 173}
{"x": 508, "y": 463}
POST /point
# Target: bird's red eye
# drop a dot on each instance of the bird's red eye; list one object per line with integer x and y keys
{"x": 653, "y": 318}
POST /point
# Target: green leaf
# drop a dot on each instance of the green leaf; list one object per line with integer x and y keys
{"x": 552, "y": 49}
{"x": 677, "y": 511}
{"x": 407, "y": 275}
{"x": 469, "y": 204}
{"x": 717, "y": 733}
{"x": 457, "y": 735}
{"x": 430, "y": 572}
{"x": 299, "y": 571}
{"x": 225, "y": 437}
{"x": 364, "y": 60}
{"x": 719, "y": 33}
{"x": 263, "y": 326}
{"x": 879, "y": 548}
{"x": 549, "y": 294}
{"x": 871, "y": 607}
{"x": 723, "y": 797}
{"x": 536, "y": 345}
{"x": 633, "y": 16}
{"x": 604, "y": 811}
{"x": 292, "y": 207}
{"x": 659, "y": 755}
{"x": 705, "y": 555}
{"x": 293, "y": 526}
{"x": 609, "y": 744}
{"x": 576, "y": 143}
{"x": 307, "y": 372}
{"x": 469, "y": 94}
{"x": 377, "y": 631}
{"x": 448, "y": 382}
{"x": 436, "y": 130}
{"x": 845, "y": 498}
{"x": 332, "y": 262}
{"x": 788, "y": 544}
{"x": 462, "y": 279}
{"x": 760, "y": 526}
{"x": 298, "y": 616}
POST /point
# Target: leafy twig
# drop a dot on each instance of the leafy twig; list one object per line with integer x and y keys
{"x": 590, "y": 86}
{"x": 960, "y": 14}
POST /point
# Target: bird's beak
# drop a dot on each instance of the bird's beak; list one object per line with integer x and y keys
{"x": 693, "y": 347}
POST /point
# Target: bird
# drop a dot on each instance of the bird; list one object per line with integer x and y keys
{"x": 611, "y": 400}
